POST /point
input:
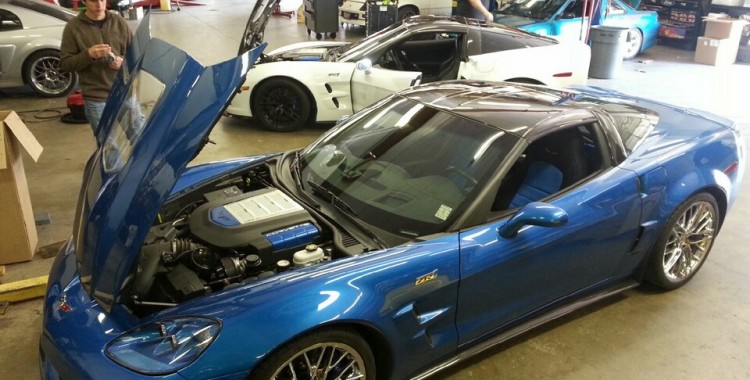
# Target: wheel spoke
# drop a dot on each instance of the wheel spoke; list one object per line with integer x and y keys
{"x": 674, "y": 258}
{"x": 292, "y": 372}
{"x": 320, "y": 360}
{"x": 310, "y": 369}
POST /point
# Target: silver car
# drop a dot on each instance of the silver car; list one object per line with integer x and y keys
{"x": 30, "y": 36}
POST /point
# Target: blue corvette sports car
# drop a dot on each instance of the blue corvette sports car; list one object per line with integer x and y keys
{"x": 428, "y": 227}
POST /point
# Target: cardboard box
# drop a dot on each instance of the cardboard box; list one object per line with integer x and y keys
{"x": 18, "y": 238}
{"x": 717, "y": 52}
{"x": 720, "y": 28}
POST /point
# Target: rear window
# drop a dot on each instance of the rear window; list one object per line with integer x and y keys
{"x": 632, "y": 124}
{"x": 495, "y": 39}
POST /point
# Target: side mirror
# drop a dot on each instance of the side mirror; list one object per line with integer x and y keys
{"x": 364, "y": 65}
{"x": 534, "y": 214}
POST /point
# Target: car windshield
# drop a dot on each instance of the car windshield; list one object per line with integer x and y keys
{"x": 535, "y": 9}
{"x": 404, "y": 167}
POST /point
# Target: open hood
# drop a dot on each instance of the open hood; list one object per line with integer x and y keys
{"x": 161, "y": 108}
{"x": 256, "y": 25}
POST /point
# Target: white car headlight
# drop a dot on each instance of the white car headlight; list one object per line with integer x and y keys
{"x": 163, "y": 346}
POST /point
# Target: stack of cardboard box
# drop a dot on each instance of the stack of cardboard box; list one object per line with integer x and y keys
{"x": 18, "y": 238}
{"x": 720, "y": 42}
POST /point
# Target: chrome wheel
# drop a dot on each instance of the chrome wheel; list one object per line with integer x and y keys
{"x": 684, "y": 243}
{"x": 324, "y": 361}
{"x": 689, "y": 241}
{"x": 43, "y": 73}
{"x": 633, "y": 43}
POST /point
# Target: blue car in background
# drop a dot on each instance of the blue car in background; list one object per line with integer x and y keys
{"x": 564, "y": 18}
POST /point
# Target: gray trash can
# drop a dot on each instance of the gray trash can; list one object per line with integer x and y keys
{"x": 607, "y": 51}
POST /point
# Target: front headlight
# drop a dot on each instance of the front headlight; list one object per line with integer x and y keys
{"x": 164, "y": 346}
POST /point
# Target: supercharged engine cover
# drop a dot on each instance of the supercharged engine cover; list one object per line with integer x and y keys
{"x": 266, "y": 220}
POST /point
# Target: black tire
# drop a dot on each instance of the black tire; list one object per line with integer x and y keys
{"x": 341, "y": 343}
{"x": 407, "y": 11}
{"x": 43, "y": 73}
{"x": 281, "y": 105}
{"x": 332, "y": 35}
{"x": 684, "y": 244}
{"x": 318, "y": 36}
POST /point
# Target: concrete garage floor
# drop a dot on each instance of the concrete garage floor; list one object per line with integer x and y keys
{"x": 701, "y": 331}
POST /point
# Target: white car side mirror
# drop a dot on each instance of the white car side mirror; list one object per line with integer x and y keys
{"x": 364, "y": 65}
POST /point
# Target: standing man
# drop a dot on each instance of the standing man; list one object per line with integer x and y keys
{"x": 477, "y": 9}
{"x": 93, "y": 45}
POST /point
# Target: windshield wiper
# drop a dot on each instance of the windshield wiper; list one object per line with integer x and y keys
{"x": 345, "y": 210}
{"x": 329, "y": 196}
{"x": 296, "y": 171}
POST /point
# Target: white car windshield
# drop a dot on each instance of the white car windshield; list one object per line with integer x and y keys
{"x": 404, "y": 167}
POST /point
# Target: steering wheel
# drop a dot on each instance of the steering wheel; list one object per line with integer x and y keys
{"x": 471, "y": 180}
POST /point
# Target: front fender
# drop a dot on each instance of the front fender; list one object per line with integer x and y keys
{"x": 329, "y": 84}
{"x": 33, "y": 46}
{"x": 408, "y": 294}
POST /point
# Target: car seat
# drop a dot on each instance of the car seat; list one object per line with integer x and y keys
{"x": 566, "y": 151}
{"x": 542, "y": 180}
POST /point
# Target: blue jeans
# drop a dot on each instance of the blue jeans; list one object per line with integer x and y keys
{"x": 93, "y": 111}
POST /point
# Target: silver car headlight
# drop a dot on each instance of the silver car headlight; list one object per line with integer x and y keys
{"x": 163, "y": 346}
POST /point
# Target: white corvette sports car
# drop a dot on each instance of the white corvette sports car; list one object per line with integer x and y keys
{"x": 321, "y": 81}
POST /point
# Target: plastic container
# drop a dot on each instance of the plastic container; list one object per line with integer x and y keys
{"x": 312, "y": 254}
{"x": 607, "y": 51}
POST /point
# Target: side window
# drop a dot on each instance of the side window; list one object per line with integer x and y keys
{"x": 434, "y": 54}
{"x": 9, "y": 21}
{"x": 553, "y": 163}
{"x": 633, "y": 124}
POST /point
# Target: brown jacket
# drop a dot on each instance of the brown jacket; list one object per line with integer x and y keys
{"x": 81, "y": 33}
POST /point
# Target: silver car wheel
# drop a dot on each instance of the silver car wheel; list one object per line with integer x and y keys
{"x": 46, "y": 78}
{"x": 689, "y": 241}
{"x": 324, "y": 361}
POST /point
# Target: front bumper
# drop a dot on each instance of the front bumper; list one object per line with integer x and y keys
{"x": 76, "y": 329}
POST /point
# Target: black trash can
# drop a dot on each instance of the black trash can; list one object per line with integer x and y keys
{"x": 607, "y": 51}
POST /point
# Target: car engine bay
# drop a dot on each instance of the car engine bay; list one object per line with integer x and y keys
{"x": 232, "y": 231}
